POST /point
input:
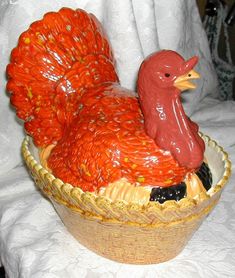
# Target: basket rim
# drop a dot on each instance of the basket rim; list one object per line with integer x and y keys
{"x": 89, "y": 203}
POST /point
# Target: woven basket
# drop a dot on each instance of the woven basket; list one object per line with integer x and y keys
{"x": 128, "y": 232}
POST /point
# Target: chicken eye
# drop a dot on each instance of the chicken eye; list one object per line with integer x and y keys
{"x": 167, "y": 75}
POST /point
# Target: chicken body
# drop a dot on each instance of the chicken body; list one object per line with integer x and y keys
{"x": 107, "y": 141}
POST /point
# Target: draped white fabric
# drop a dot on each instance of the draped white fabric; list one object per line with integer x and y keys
{"x": 33, "y": 241}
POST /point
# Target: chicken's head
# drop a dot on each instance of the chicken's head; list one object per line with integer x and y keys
{"x": 167, "y": 69}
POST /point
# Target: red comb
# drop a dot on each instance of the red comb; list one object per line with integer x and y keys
{"x": 189, "y": 65}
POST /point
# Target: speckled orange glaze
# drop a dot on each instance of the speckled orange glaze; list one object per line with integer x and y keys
{"x": 107, "y": 141}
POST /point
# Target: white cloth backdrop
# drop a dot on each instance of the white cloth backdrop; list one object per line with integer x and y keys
{"x": 33, "y": 241}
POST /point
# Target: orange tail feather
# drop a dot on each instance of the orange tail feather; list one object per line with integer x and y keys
{"x": 56, "y": 60}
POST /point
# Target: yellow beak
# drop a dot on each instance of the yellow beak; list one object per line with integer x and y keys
{"x": 182, "y": 82}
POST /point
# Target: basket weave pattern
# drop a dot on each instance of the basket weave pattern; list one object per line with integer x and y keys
{"x": 122, "y": 231}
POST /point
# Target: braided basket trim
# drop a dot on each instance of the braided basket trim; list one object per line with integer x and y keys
{"x": 102, "y": 208}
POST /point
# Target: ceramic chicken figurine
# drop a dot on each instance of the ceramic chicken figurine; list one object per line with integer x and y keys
{"x": 90, "y": 131}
